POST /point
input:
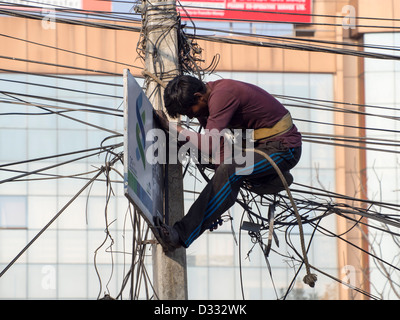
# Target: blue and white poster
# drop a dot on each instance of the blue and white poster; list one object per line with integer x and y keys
{"x": 143, "y": 178}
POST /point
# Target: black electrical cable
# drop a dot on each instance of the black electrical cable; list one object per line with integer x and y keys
{"x": 297, "y": 40}
{"x": 60, "y": 65}
{"x": 60, "y": 101}
{"x": 62, "y": 88}
{"x": 61, "y": 77}
{"x": 79, "y": 22}
{"x": 74, "y": 12}
{"x": 70, "y": 51}
{"x": 60, "y": 155}
{"x": 25, "y": 174}
{"x": 297, "y": 23}
{"x": 61, "y": 114}
{"x": 300, "y": 47}
{"x": 281, "y": 12}
{"x": 50, "y": 222}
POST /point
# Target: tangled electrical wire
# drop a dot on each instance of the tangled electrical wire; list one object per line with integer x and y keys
{"x": 267, "y": 215}
{"x": 266, "y": 218}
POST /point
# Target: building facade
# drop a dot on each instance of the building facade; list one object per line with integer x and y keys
{"x": 45, "y": 67}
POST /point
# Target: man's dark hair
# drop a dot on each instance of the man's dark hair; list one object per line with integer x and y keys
{"x": 179, "y": 94}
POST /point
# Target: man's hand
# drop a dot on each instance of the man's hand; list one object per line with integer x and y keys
{"x": 161, "y": 119}
{"x": 163, "y": 122}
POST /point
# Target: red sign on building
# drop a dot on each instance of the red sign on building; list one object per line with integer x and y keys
{"x": 28, "y": 5}
{"x": 291, "y": 11}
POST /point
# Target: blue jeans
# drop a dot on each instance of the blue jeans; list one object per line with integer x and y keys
{"x": 222, "y": 190}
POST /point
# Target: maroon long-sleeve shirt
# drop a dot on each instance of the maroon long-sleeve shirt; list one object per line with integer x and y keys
{"x": 236, "y": 104}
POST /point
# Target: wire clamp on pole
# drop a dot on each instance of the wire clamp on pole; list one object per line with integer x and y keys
{"x": 155, "y": 78}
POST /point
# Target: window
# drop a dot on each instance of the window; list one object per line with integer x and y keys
{"x": 13, "y": 212}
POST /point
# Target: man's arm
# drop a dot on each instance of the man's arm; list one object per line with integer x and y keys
{"x": 222, "y": 105}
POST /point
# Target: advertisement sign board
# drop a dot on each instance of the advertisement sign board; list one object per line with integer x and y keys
{"x": 290, "y": 11}
{"x": 142, "y": 179}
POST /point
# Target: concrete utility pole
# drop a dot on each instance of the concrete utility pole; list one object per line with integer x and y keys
{"x": 161, "y": 60}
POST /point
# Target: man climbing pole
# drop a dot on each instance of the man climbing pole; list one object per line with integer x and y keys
{"x": 220, "y": 105}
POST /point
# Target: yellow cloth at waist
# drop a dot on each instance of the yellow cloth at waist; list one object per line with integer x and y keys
{"x": 282, "y": 126}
